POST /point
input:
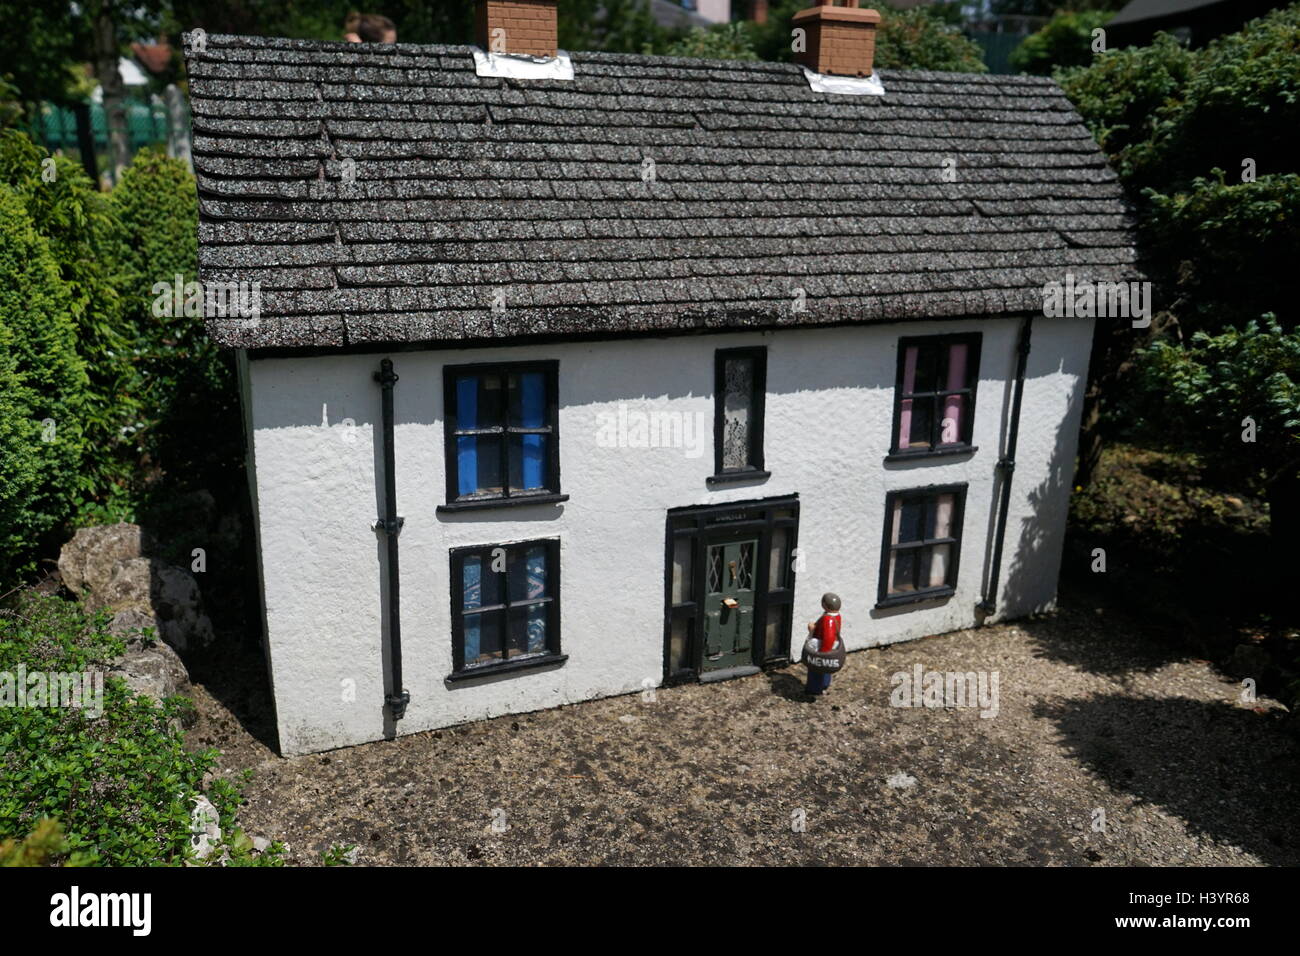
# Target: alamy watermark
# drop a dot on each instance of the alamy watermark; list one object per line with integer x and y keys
{"x": 940, "y": 689}
{"x": 656, "y": 428}
{"x": 24, "y": 688}
{"x": 208, "y": 300}
{"x": 1083, "y": 299}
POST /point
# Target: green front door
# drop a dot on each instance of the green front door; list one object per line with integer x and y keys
{"x": 729, "y": 569}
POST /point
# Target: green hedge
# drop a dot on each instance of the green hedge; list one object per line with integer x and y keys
{"x": 86, "y": 241}
{"x": 143, "y": 406}
{"x": 42, "y": 416}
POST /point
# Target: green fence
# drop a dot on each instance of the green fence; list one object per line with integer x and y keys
{"x": 146, "y": 124}
{"x": 997, "y": 49}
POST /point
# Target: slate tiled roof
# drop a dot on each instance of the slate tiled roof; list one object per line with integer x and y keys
{"x": 529, "y": 193}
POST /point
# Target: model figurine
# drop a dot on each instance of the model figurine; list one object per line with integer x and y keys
{"x": 824, "y": 652}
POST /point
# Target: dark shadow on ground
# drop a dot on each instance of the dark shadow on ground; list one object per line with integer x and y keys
{"x": 787, "y": 685}
{"x": 1094, "y": 636}
{"x": 1230, "y": 773}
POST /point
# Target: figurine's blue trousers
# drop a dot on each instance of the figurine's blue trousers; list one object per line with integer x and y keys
{"x": 817, "y": 683}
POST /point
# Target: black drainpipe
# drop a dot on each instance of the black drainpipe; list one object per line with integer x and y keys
{"x": 1007, "y": 466}
{"x": 391, "y": 525}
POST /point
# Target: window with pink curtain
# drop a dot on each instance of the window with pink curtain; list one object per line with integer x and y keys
{"x": 936, "y": 392}
{"x": 924, "y": 535}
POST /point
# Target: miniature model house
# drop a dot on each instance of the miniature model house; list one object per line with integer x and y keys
{"x": 580, "y": 374}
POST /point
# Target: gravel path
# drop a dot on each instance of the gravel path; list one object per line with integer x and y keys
{"x": 1093, "y": 718}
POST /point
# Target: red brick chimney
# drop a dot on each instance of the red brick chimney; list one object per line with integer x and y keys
{"x": 526, "y": 26}
{"x": 839, "y": 40}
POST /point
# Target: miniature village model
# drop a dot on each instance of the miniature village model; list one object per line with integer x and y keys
{"x": 488, "y": 273}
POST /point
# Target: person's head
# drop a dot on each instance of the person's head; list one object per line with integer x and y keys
{"x": 369, "y": 28}
{"x": 831, "y": 602}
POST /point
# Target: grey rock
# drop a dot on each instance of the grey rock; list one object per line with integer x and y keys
{"x": 153, "y": 670}
{"x": 205, "y": 827}
{"x": 89, "y": 561}
{"x": 108, "y": 566}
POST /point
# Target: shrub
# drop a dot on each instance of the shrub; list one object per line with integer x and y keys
{"x": 43, "y": 413}
{"x": 45, "y": 845}
{"x": 191, "y": 425}
{"x": 1066, "y": 40}
{"x": 119, "y": 783}
{"x": 730, "y": 41}
{"x": 84, "y": 237}
{"x": 1121, "y": 93}
{"x": 114, "y": 789}
{"x": 915, "y": 40}
{"x": 1242, "y": 101}
{"x": 1227, "y": 250}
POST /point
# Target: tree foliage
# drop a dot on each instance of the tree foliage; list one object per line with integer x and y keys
{"x": 730, "y": 41}
{"x": 1066, "y": 40}
{"x": 84, "y": 236}
{"x": 1205, "y": 143}
{"x": 43, "y": 412}
{"x": 917, "y": 39}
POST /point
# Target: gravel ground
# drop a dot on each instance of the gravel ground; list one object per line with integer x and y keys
{"x": 1093, "y": 718}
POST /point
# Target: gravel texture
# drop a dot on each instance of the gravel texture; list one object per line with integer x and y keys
{"x": 1092, "y": 716}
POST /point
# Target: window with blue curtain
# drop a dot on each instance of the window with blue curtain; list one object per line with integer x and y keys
{"x": 502, "y": 431}
{"x": 505, "y": 604}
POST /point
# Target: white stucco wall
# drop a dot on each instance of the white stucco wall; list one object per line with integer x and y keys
{"x": 829, "y": 413}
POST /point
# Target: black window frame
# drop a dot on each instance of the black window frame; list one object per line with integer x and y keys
{"x": 958, "y": 490}
{"x": 554, "y": 654}
{"x": 551, "y": 372}
{"x": 758, "y": 405}
{"x": 974, "y": 341}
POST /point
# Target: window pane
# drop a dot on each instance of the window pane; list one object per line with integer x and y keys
{"x": 927, "y": 368}
{"x": 682, "y": 570}
{"x": 939, "y": 557}
{"x": 774, "y": 642}
{"x": 528, "y": 462}
{"x": 528, "y": 574}
{"x": 528, "y": 630}
{"x": 902, "y": 570}
{"x": 950, "y": 427}
{"x": 909, "y": 386}
{"x": 737, "y": 409}
{"x": 776, "y": 577}
{"x": 478, "y": 464}
{"x": 679, "y": 644}
{"x": 478, "y": 401}
{"x": 472, "y": 574}
{"x": 921, "y": 421}
{"x": 482, "y": 638}
{"x": 467, "y": 401}
{"x": 941, "y": 517}
{"x": 528, "y": 399}
{"x": 481, "y": 584}
{"x": 907, "y": 516}
{"x": 957, "y": 366}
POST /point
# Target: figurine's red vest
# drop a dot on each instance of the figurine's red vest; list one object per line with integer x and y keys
{"x": 827, "y": 631}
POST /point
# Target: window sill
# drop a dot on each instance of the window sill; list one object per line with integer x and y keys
{"x": 916, "y": 598}
{"x": 937, "y": 453}
{"x": 509, "y": 667}
{"x": 514, "y": 502}
{"x": 730, "y": 477}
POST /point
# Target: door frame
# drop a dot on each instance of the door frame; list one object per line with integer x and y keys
{"x": 710, "y": 524}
